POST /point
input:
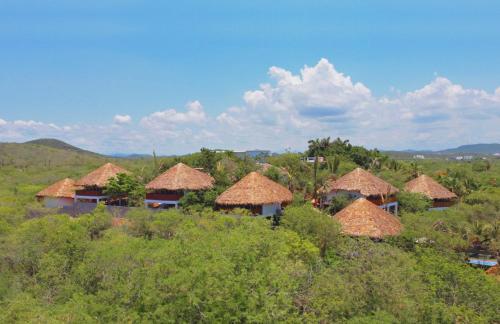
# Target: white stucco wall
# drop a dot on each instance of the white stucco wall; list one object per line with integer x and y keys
{"x": 50, "y": 202}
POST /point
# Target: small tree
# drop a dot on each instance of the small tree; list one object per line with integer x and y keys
{"x": 199, "y": 199}
{"x": 123, "y": 184}
{"x": 273, "y": 173}
{"x": 413, "y": 202}
{"x": 315, "y": 226}
{"x": 208, "y": 159}
{"x": 338, "y": 203}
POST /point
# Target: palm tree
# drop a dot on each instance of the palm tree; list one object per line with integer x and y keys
{"x": 333, "y": 163}
{"x": 415, "y": 170}
{"x": 314, "y": 149}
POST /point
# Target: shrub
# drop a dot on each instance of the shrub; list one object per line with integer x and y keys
{"x": 313, "y": 225}
{"x": 338, "y": 203}
{"x": 413, "y": 202}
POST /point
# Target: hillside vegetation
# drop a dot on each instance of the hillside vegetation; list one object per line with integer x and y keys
{"x": 29, "y": 154}
{"x": 197, "y": 265}
{"x": 55, "y": 143}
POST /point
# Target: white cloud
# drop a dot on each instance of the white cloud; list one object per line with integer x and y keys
{"x": 169, "y": 118}
{"x": 320, "y": 101}
{"x": 122, "y": 119}
{"x": 292, "y": 108}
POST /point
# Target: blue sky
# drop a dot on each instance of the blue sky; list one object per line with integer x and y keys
{"x": 70, "y": 66}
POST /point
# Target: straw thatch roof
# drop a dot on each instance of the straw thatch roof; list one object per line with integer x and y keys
{"x": 181, "y": 177}
{"x": 363, "y": 182}
{"x": 100, "y": 176}
{"x": 254, "y": 189}
{"x": 494, "y": 271}
{"x": 429, "y": 187}
{"x": 61, "y": 189}
{"x": 363, "y": 218}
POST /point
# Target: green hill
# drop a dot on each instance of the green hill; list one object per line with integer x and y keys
{"x": 58, "y": 144}
{"x": 35, "y": 154}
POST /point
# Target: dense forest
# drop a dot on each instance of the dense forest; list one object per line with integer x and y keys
{"x": 195, "y": 264}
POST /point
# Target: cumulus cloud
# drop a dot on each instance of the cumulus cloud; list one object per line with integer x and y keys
{"x": 320, "y": 101}
{"x": 169, "y": 118}
{"x": 122, "y": 119}
{"x": 291, "y": 108}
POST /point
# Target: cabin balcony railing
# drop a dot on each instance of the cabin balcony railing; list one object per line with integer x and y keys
{"x": 163, "y": 196}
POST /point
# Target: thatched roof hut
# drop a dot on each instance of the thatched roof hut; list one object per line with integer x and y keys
{"x": 363, "y": 182}
{"x": 61, "y": 189}
{"x": 254, "y": 190}
{"x": 181, "y": 177}
{"x": 429, "y": 187}
{"x": 99, "y": 177}
{"x": 363, "y": 218}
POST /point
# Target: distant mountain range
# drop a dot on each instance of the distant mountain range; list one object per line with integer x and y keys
{"x": 130, "y": 156}
{"x": 473, "y": 149}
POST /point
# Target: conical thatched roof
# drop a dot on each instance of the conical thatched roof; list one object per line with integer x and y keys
{"x": 429, "y": 187}
{"x": 363, "y": 182}
{"x": 254, "y": 189}
{"x": 100, "y": 176}
{"x": 363, "y": 218}
{"x": 61, "y": 189}
{"x": 181, "y": 177}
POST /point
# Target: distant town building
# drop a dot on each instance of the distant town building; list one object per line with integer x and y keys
{"x": 253, "y": 153}
{"x": 312, "y": 159}
{"x": 419, "y": 156}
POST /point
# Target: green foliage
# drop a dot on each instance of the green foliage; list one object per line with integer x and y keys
{"x": 299, "y": 172}
{"x": 312, "y": 225}
{"x": 413, "y": 202}
{"x": 459, "y": 181}
{"x": 273, "y": 173}
{"x": 481, "y": 165}
{"x": 358, "y": 154}
{"x": 363, "y": 279}
{"x": 96, "y": 222}
{"x": 468, "y": 295}
{"x": 207, "y": 160}
{"x": 197, "y": 265}
{"x": 199, "y": 199}
{"x": 125, "y": 185}
{"x": 333, "y": 163}
{"x": 338, "y": 203}
{"x": 488, "y": 196}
